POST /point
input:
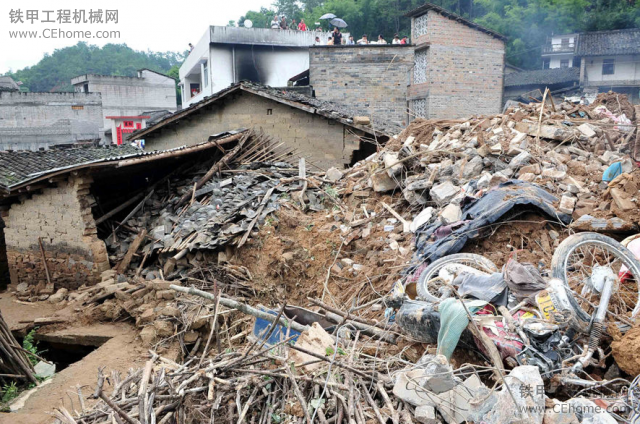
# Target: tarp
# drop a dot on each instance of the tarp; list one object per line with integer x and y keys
{"x": 487, "y": 210}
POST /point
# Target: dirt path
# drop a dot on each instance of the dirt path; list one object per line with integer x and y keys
{"x": 120, "y": 353}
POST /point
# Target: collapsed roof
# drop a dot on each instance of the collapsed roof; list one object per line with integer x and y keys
{"x": 20, "y": 168}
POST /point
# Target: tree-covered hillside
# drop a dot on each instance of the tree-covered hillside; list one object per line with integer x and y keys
{"x": 526, "y": 23}
{"x": 54, "y": 71}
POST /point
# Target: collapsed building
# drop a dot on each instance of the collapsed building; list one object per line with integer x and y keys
{"x": 52, "y": 201}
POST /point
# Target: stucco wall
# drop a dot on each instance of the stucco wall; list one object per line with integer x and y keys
{"x": 62, "y": 217}
{"x": 319, "y": 140}
{"x": 626, "y": 70}
{"x": 231, "y": 63}
{"x": 29, "y": 121}
{"x": 131, "y": 96}
{"x": 373, "y": 78}
{"x": 464, "y": 69}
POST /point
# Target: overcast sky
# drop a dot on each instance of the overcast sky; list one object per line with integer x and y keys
{"x": 143, "y": 25}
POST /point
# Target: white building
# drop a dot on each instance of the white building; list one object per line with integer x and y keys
{"x": 127, "y": 100}
{"x": 227, "y": 55}
{"x": 559, "y": 52}
{"x": 608, "y": 60}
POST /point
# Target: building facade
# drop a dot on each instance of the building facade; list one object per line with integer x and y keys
{"x": 458, "y": 68}
{"x": 608, "y": 60}
{"x": 128, "y": 98}
{"x": 228, "y": 55}
{"x": 322, "y": 132}
{"x": 31, "y": 121}
{"x": 373, "y": 77}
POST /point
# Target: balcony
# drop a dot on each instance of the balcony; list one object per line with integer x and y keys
{"x": 558, "y": 48}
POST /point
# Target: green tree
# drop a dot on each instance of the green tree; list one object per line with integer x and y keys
{"x": 174, "y": 73}
{"x": 55, "y": 71}
{"x": 261, "y": 19}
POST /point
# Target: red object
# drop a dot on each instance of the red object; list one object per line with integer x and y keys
{"x": 302, "y": 26}
{"x": 128, "y": 117}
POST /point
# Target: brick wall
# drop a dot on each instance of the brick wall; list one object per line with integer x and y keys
{"x": 464, "y": 68}
{"x": 62, "y": 217}
{"x": 319, "y": 140}
{"x": 370, "y": 77}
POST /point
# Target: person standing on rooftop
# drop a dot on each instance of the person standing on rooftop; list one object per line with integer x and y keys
{"x": 363, "y": 40}
{"x": 302, "y": 26}
{"x": 396, "y": 39}
{"x": 275, "y": 23}
{"x": 381, "y": 40}
{"x": 337, "y": 36}
{"x": 283, "y": 23}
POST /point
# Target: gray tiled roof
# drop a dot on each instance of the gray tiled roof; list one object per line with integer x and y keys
{"x": 21, "y": 166}
{"x": 542, "y": 76}
{"x": 605, "y": 43}
{"x": 330, "y": 110}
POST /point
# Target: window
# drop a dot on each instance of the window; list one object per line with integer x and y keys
{"x": 546, "y": 62}
{"x": 420, "y": 67}
{"x": 86, "y": 88}
{"x": 564, "y": 63}
{"x": 564, "y": 43}
{"x": 576, "y": 62}
{"x": 608, "y": 67}
{"x": 269, "y": 111}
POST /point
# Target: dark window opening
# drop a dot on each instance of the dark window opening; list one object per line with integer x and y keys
{"x": 608, "y": 67}
{"x": 564, "y": 63}
{"x": 576, "y": 62}
{"x": 86, "y": 88}
{"x": 546, "y": 63}
{"x": 269, "y": 111}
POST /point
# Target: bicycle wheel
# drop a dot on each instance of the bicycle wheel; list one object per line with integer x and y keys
{"x": 450, "y": 265}
{"x": 583, "y": 260}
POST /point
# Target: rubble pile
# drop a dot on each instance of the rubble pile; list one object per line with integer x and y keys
{"x": 441, "y": 274}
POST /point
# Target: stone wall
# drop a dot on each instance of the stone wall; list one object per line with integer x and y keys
{"x": 464, "y": 68}
{"x": 371, "y": 77}
{"x": 324, "y": 142}
{"x": 61, "y": 216}
{"x": 30, "y": 121}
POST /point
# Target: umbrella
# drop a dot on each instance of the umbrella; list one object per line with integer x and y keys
{"x": 338, "y": 22}
{"x": 328, "y": 16}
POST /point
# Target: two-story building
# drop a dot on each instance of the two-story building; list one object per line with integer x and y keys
{"x": 227, "y": 55}
{"x": 128, "y": 101}
{"x": 608, "y": 60}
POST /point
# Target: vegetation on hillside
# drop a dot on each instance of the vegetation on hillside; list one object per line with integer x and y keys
{"x": 54, "y": 71}
{"x": 526, "y": 23}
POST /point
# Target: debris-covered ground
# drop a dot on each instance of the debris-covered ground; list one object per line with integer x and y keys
{"x": 479, "y": 270}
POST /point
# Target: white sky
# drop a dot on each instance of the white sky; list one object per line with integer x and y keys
{"x": 159, "y": 25}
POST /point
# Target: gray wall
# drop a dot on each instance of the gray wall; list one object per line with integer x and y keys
{"x": 29, "y": 121}
{"x": 372, "y": 78}
{"x": 130, "y": 96}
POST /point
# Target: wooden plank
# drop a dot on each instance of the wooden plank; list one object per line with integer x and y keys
{"x": 124, "y": 264}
